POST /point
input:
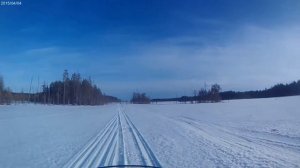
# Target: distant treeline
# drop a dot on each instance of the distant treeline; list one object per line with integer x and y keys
{"x": 278, "y": 90}
{"x": 72, "y": 90}
{"x": 201, "y": 96}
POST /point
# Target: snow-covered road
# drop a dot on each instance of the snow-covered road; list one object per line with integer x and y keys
{"x": 238, "y": 133}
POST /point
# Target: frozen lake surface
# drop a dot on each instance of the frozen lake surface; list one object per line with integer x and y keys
{"x": 236, "y": 133}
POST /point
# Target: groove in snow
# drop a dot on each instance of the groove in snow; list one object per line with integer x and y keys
{"x": 119, "y": 144}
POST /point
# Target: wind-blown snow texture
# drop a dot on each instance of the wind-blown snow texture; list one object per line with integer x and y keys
{"x": 238, "y": 133}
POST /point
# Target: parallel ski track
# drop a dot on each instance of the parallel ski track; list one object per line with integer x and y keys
{"x": 113, "y": 145}
{"x": 148, "y": 157}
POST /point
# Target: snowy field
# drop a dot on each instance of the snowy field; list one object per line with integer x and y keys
{"x": 237, "y": 133}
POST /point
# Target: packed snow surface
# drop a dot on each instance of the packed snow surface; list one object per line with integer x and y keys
{"x": 237, "y": 133}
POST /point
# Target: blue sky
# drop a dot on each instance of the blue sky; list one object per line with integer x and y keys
{"x": 165, "y": 48}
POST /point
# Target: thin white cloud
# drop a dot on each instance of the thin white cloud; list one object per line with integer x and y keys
{"x": 42, "y": 51}
{"x": 254, "y": 58}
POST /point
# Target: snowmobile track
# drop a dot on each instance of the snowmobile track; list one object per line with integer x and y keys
{"x": 119, "y": 144}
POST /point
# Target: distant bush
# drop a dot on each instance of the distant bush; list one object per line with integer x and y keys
{"x": 140, "y": 98}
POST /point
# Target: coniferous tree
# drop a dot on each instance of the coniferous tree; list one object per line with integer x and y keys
{"x": 215, "y": 93}
{"x": 1, "y": 89}
{"x": 5, "y": 93}
{"x": 65, "y": 81}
